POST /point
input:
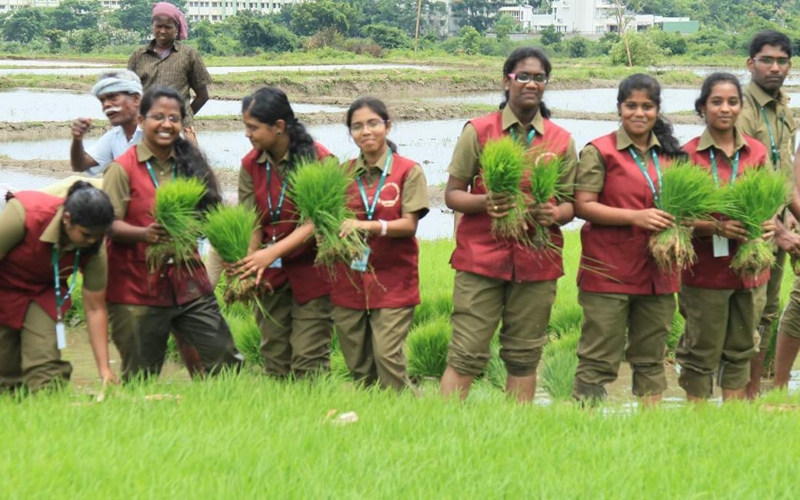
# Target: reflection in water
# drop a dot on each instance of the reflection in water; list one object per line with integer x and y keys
{"x": 24, "y": 105}
{"x": 430, "y": 143}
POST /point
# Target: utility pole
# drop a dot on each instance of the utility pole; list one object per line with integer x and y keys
{"x": 416, "y": 32}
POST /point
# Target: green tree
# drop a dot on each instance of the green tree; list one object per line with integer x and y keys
{"x": 643, "y": 51}
{"x": 550, "y": 36}
{"x": 505, "y": 25}
{"x": 475, "y": 13}
{"x": 672, "y": 43}
{"x": 469, "y": 40}
{"x": 311, "y": 17}
{"x": 578, "y": 47}
{"x": 257, "y": 32}
{"x": 388, "y": 37}
{"x": 87, "y": 40}
{"x": 75, "y": 15}
{"x": 24, "y": 25}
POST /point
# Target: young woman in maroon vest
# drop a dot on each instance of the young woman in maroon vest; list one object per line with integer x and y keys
{"x": 721, "y": 309}
{"x": 504, "y": 279}
{"x": 145, "y": 306}
{"x": 45, "y": 241}
{"x": 375, "y": 296}
{"x": 296, "y": 337}
{"x": 623, "y": 293}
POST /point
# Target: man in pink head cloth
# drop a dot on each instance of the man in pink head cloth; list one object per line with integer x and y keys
{"x": 166, "y": 61}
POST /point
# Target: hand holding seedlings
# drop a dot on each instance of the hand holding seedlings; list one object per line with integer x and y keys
{"x": 731, "y": 229}
{"x": 498, "y": 205}
{"x": 788, "y": 241}
{"x": 769, "y": 230}
{"x": 155, "y": 233}
{"x": 653, "y": 219}
{"x": 545, "y": 214}
{"x": 256, "y": 263}
{"x": 350, "y": 226}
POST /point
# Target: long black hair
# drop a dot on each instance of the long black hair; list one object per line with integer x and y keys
{"x": 91, "y": 208}
{"x": 375, "y": 105}
{"x": 189, "y": 161}
{"x": 520, "y": 54}
{"x": 670, "y": 145}
{"x": 708, "y": 85}
{"x": 270, "y": 104}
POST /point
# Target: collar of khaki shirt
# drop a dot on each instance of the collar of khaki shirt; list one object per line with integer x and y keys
{"x": 624, "y": 141}
{"x": 510, "y": 120}
{"x": 281, "y": 165}
{"x": 762, "y": 98}
{"x": 706, "y": 141}
{"x": 143, "y": 154}
{"x": 52, "y": 233}
{"x": 362, "y": 167}
{"x": 151, "y": 47}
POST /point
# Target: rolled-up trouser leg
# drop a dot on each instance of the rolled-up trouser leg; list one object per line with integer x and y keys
{"x": 740, "y": 346}
{"x": 312, "y": 329}
{"x": 140, "y": 334}
{"x": 42, "y": 366}
{"x": 276, "y": 329}
{"x": 355, "y": 340}
{"x": 772, "y": 307}
{"x": 524, "y": 330}
{"x": 390, "y": 328}
{"x": 650, "y": 323}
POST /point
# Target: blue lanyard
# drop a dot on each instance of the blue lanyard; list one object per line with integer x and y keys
{"x": 646, "y": 175}
{"x": 531, "y": 135}
{"x": 153, "y": 175}
{"x": 59, "y": 299}
{"x": 275, "y": 215}
{"x": 776, "y": 154}
{"x": 371, "y": 209}
{"x": 734, "y": 171}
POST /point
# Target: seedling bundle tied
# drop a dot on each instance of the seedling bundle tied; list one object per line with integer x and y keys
{"x": 505, "y": 163}
{"x": 319, "y": 190}
{"x": 754, "y": 199}
{"x": 229, "y": 229}
{"x": 176, "y": 210}
{"x": 688, "y": 193}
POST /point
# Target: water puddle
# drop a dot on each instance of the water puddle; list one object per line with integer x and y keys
{"x": 46, "y": 63}
{"x": 430, "y": 143}
{"x": 27, "y": 105}
{"x": 40, "y": 69}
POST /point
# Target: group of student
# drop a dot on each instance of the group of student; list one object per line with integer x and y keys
{"x": 628, "y": 303}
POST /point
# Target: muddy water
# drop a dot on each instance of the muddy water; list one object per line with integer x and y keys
{"x": 592, "y": 100}
{"x": 430, "y": 143}
{"x": 24, "y": 105}
{"x": 214, "y": 70}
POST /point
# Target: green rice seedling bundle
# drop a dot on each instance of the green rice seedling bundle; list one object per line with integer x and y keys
{"x": 688, "y": 193}
{"x": 319, "y": 190}
{"x": 229, "y": 229}
{"x": 176, "y": 210}
{"x": 546, "y": 175}
{"x": 503, "y": 167}
{"x": 753, "y": 199}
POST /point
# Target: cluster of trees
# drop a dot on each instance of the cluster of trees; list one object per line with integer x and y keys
{"x": 372, "y": 26}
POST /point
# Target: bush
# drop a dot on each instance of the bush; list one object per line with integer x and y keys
{"x": 644, "y": 52}
{"x": 550, "y": 36}
{"x": 363, "y": 46}
{"x": 577, "y": 47}
{"x": 469, "y": 40}
{"x": 388, "y": 37}
{"x": 559, "y": 363}
{"x": 427, "y": 348}
{"x": 672, "y": 43}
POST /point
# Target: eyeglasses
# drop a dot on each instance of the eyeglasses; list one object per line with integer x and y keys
{"x": 527, "y": 77}
{"x": 371, "y": 125}
{"x": 160, "y": 118}
{"x": 769, "y": 61}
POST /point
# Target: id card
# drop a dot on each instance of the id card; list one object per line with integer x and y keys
{"x": 721, "y": 246}
{"x": 61, "y": 336}
{"x": 278, "y": 263}
{"x": 360, "y": 264}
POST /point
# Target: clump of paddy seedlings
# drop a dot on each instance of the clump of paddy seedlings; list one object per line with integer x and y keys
{"x": 229, "y": 229}
{"x": 503, "y": 168}
{"x": 545, "y": 179}
{"x": 687, "y": 193}
{"x": 319, "y": 190}
{"x": 753, "y": 199}
{"x": 176, "y": 210}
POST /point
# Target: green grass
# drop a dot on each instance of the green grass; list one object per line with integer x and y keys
{"x": 233, "y": 437}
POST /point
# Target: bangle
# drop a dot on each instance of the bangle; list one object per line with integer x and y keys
{"x": 384, "y": 227}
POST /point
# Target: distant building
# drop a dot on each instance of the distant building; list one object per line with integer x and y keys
{"x": 523, "y": 14}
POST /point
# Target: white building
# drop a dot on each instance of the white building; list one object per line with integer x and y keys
{"x": 523, "y": 14}
{"x": 590, "y": 17}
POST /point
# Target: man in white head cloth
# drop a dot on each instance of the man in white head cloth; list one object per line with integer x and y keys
{"x": 119, "y": 92}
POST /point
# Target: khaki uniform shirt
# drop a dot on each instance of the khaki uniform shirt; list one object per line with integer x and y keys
{"x": 591, "y": 175}
{"x": 415, "y": 188}
{"x": 779, "y": 120}
{"x": 117, "y": 185}
{"x": 182, "y": 69}
{"x": 247, "y": 192}
{"x": 465, "y": 164}
{"x": 12, "y": 232}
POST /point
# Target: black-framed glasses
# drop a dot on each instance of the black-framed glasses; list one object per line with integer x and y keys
{"x": 527, "y": 77}
{"x": 769, "y": 61}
